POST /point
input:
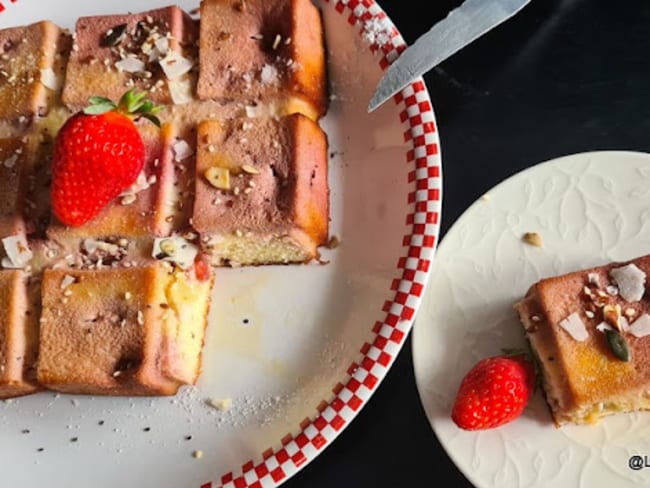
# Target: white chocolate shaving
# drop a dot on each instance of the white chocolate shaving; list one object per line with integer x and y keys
{"x": 575, "y": 327}
{"x": 631, "y": 282}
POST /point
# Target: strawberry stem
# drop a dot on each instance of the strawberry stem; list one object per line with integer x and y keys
{"x": 133, "y": 104}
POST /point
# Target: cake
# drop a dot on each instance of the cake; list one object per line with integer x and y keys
{"x": 153, "y": 51}
{"x": 134, "y": 331}
{"x": 142, "y": 210}
{"x": 118, "y": 305}
{"x": 261, "y": 190}
{"x": 263, "y": 52}
{"x": 12, "y": 187}
{"x": 588, "y": 330}
{"x": 32, "y": 64}
{"x": 18, "y": 336}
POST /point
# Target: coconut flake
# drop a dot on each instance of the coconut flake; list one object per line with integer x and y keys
{"x": 130, "y": 65}
{"x": 269, "y": 75}
{"x": 91, "y": 246}
{"x": 631, "y": 282}
{"x": 67, "y": 281}
{"x": 49, "y": 79}
{"x": 254, "y": 111}
{"x": 575, "y": 327}
{"x": 141, "y": 184}
{"x": 603, "y": 326}
{"x": 593, "y": 279}
{"x": 175, "y": 250}
{"x": 18, "y": 252}
{"x": 174, "y": 65}
{"x": 641, "y": 326}
{"x": 180, "y": 91}
{"x": 182, "y": 150}
{"x": 623, "y": 323}
{"x": 10, "y": 162}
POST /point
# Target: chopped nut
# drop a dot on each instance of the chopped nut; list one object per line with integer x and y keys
{"x": 612, "y": 315}
{"x": 168, "y": 246}
{"x": 532, "y": 238}
{"x": 251, "y": 170}
{"x": 222, "y": 405}
{"x": 218, "y": 177}
{"x": 128, "y": 199}
{"x": 589, "y": 314}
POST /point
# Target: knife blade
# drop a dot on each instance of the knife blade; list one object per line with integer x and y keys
{"x": 461, "y": 27}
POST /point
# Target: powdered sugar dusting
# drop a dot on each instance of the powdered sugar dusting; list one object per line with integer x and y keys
{"x": 377, "y": 31}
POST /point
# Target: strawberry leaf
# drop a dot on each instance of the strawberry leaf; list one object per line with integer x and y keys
{"x": 152, "y": 118}
{"x": 95, "y": 100}
{"x": 99, "y": 108}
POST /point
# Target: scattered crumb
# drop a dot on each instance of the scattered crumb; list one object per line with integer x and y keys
{"x": 532, "y": 238}
{"x": 334, "y": 242}
{"x": 221, "y": 404}
{"x": 198, "y": 454}
{"x": 486, "y": 197}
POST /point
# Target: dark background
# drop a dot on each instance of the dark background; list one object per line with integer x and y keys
{"x": 563, "y": 76}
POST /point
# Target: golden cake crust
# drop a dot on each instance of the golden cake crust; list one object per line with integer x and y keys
{"x": 584, "y": 380}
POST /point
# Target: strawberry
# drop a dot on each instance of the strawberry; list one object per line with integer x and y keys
{"x": 98, "y": 153}
{"x": 494, "y": 392}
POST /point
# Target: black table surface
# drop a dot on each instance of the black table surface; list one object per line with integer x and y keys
{"x": 561, "y": 77}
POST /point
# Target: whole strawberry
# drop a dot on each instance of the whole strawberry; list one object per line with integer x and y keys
{"x": 494, "y": 392}
{"x": 98, "y": 153}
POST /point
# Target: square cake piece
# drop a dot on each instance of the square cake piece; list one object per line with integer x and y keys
{"x": 262, "y": 194}
{"x": 32, "y": 68}
{"x": 13, "y": 154}
{"x": 589, "y": 331}
{"x": 141, "y": 211}
{"x": 263, "y": 51}
{"x": 18, "y": 336}
{"x": 128, "y": 331}
{"x": 154, "y": 51}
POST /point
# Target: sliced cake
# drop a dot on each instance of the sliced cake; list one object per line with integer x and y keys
{"x": 154, "y": 51}
{"x": 128, "y": 331}
{"x": 32, "y": 68}
{"x": 141, "y": 211}
{"x": 13, "y": 152}
{"x": 18, "y": 336}
{"x": 262, "y": 195}
{"x": 589, "y": 330}
{"x": 263, "y": 52}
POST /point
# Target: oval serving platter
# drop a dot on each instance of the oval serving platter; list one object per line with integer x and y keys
{"x": 296, "y": 350}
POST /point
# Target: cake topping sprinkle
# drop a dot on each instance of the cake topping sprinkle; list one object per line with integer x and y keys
{"x": 641, "y": 326}
{"x": 175, "y": 250}
{"x": 575, "y": 327}
{"x": 18, "y": 252}
{"x": 631, "y": 282}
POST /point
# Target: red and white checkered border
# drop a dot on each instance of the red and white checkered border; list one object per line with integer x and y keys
{"x": 278, "y": 464}
{"x": 295, "y": 450}
{"x": 5, "y": 3}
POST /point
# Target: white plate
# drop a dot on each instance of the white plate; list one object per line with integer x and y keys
{"x": 590, "y": 209}
{"x": 299, "y": 350}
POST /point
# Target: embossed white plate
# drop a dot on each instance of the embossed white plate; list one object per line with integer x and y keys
{"x": 589, "y": 208}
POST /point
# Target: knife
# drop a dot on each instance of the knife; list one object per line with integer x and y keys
{"x": 461, "y": 27}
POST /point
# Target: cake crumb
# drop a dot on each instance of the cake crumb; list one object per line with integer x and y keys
{"x": 198, "y": 454}
{"x": 221, "y": 404}
{"x": 532, "y": 238}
